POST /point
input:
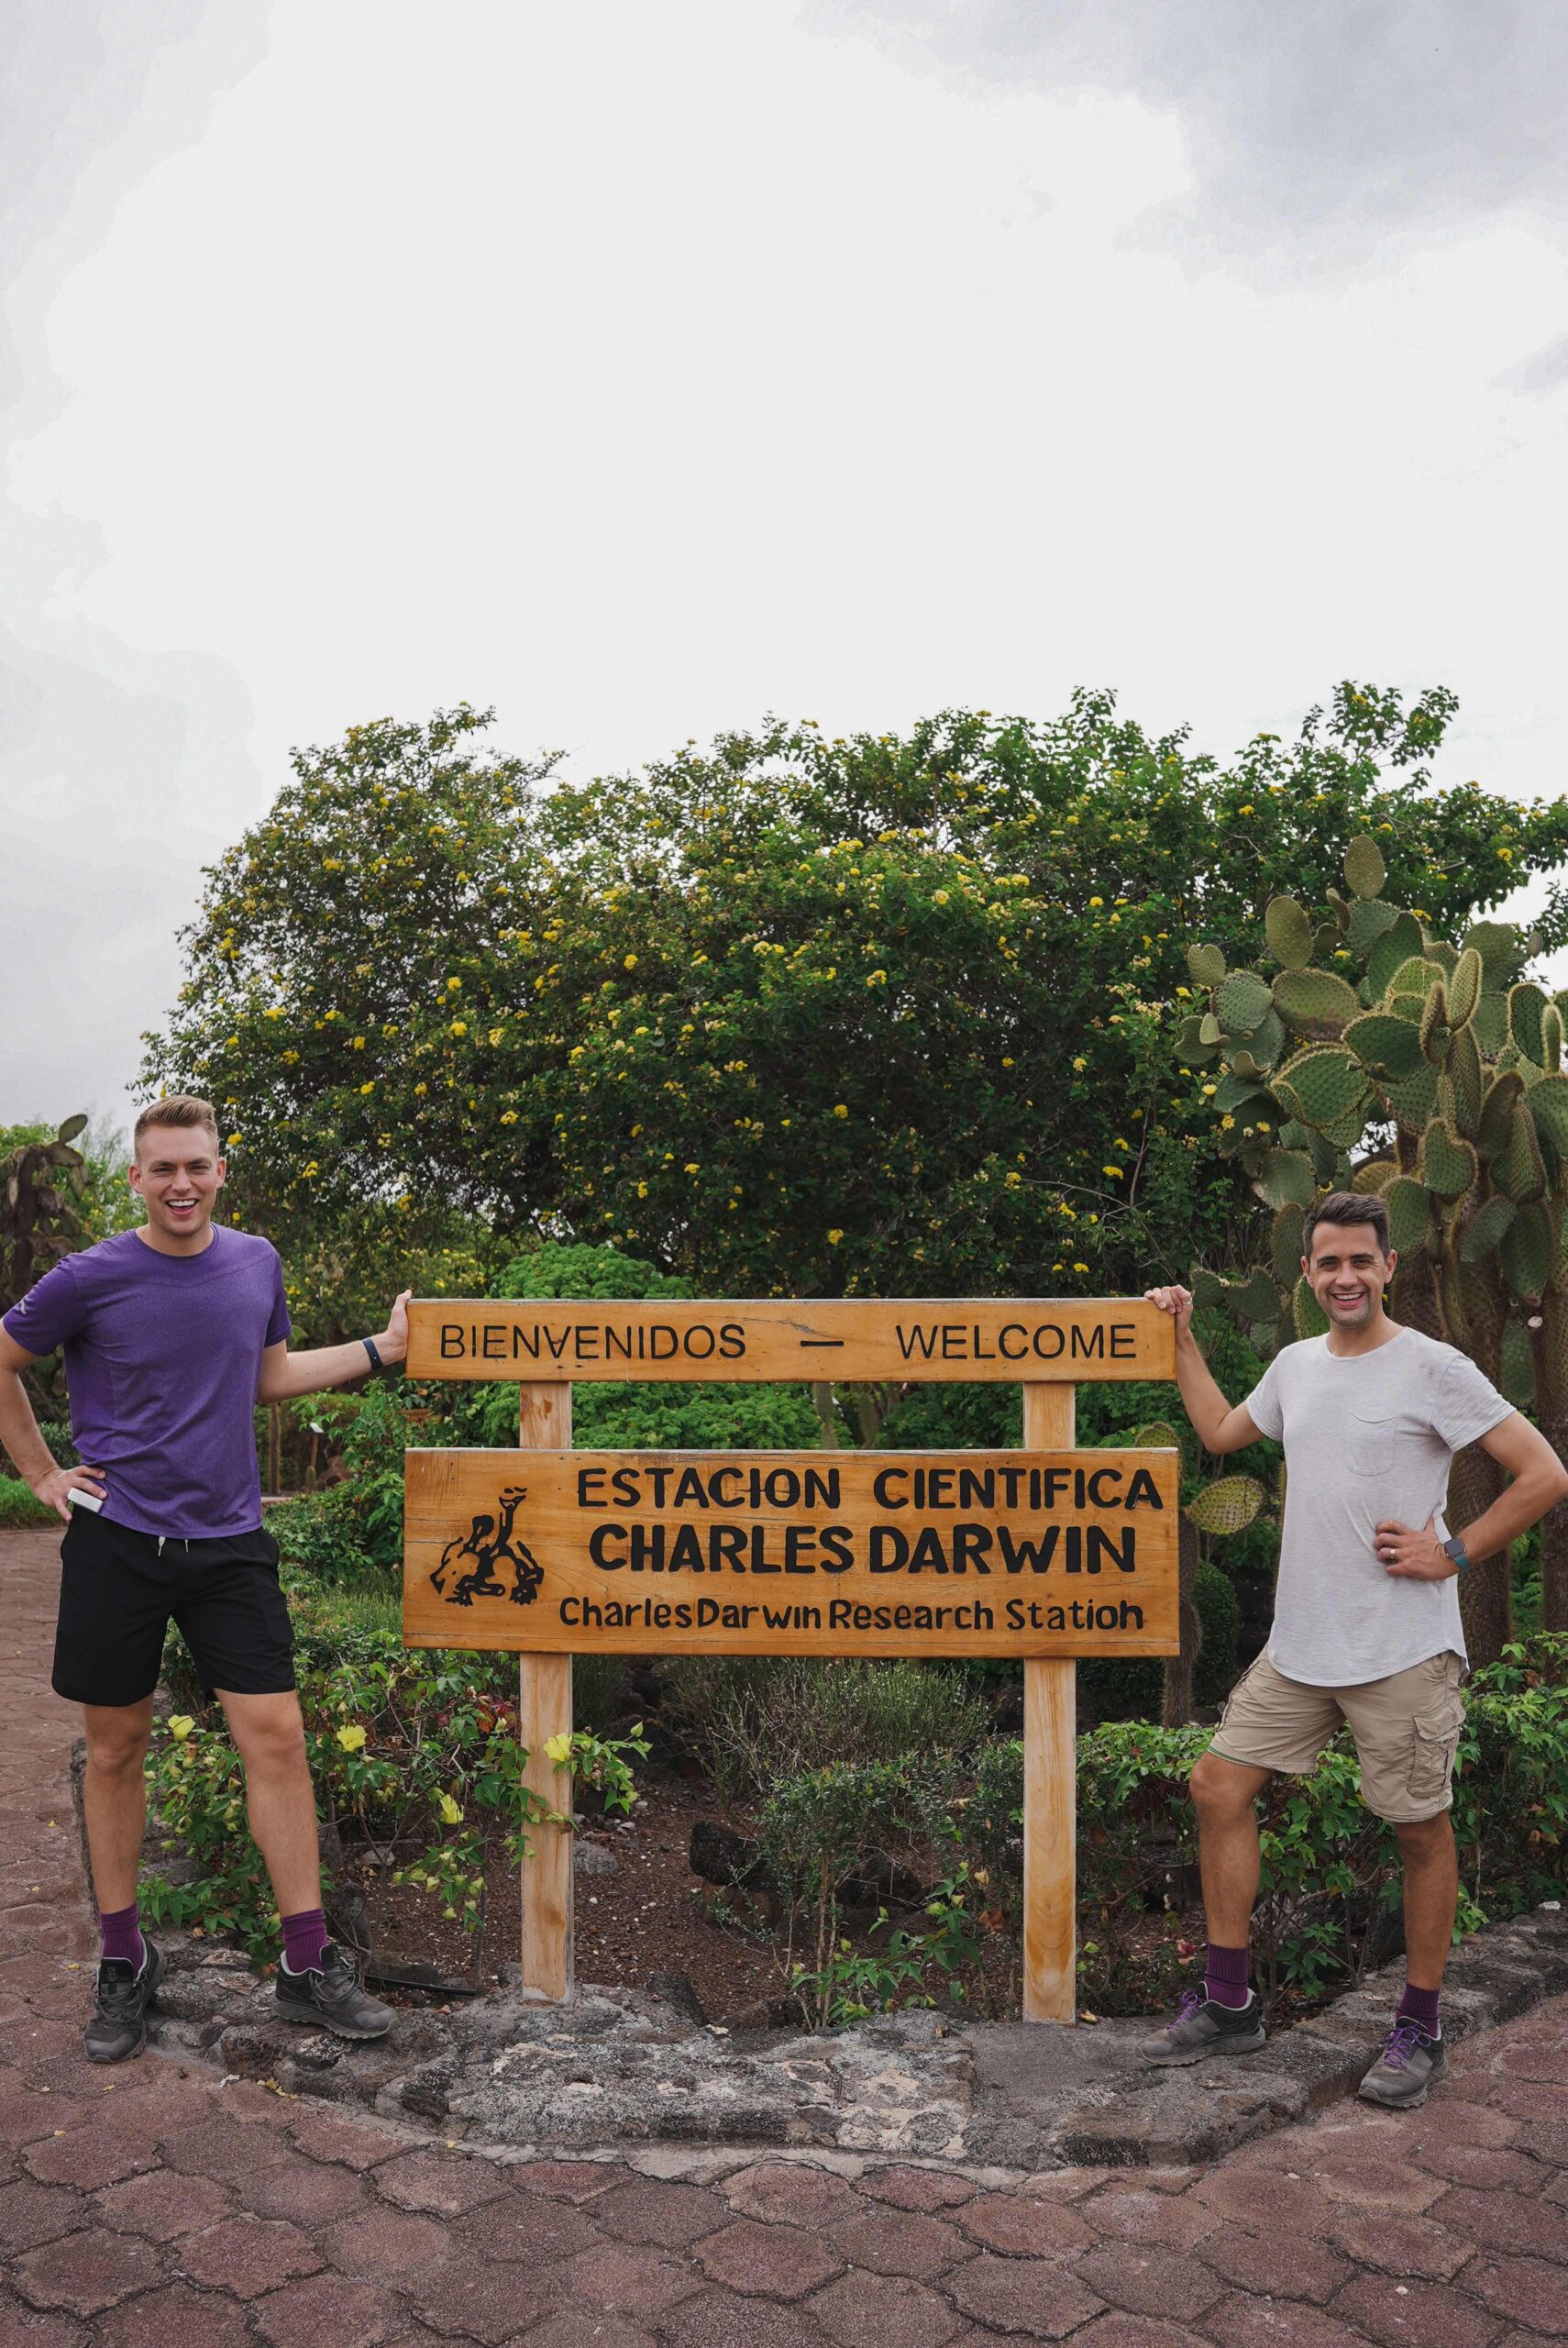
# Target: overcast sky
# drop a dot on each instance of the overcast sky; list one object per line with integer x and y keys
{"x": 646, "y": 366}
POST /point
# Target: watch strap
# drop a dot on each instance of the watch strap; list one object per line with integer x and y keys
{"x": 370, "y": 1347}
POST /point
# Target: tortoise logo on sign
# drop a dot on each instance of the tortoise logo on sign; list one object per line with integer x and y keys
{"x": 472, "y": 1565}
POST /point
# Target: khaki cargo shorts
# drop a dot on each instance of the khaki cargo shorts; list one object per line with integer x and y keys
{"x": 1406, "y": 1729}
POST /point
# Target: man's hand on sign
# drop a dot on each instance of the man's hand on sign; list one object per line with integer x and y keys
{"x": 1174, "y": 1301}
{"x": 1414, "y": 1556}
{"x": 393, "y": 1343}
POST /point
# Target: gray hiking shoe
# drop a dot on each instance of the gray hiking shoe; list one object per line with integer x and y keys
{"x": 1408, "y": 2063}
{"x": 1203, "y": 2028}
{"x": 118, "y": 2027}
{"x": 330, "y": 1997}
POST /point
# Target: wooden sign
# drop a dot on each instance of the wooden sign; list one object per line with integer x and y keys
{"x": 841, "y": 1338}
{"x": 867, "y": 1552}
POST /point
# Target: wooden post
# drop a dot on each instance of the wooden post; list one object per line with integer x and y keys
{"x": 544, "y": 1710}
{"x": 1050, "y": 1779}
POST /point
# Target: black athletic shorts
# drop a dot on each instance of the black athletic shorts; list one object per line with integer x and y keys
{"x": 118, "y": 1590}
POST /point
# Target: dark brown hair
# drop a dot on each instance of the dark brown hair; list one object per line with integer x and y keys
{"x": 1348, "y": 1206}
{"x": 180, "y": 1110}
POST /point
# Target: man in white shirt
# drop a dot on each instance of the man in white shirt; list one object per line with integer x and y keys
{"x": 1366, "y": 1625}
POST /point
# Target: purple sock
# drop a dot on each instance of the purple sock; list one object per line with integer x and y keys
{"x": 123, "y": 1944}
{"x": 304, "y": 1938}
{"x": 1421, "y": 2006}
{"x": 1225, "y": 1977}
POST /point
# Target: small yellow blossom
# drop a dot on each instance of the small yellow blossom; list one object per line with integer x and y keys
{"x": 450, "y": 1812}
{"x": 369, "y": 1088}
{"x": 1080, "y": 1064}
{"x": 459, "y": 1028}
{"x": 840, "y": 1108}
{"x": 351, "y": 1738}
{"x": 558, "y": 1748}
{"x": 180, "y": 1726}
{"x": 630, "y": 963}
{"x": 833, "y": 1238}
{"x": 453, "y": 985}
{"x": 1095, "y": 903}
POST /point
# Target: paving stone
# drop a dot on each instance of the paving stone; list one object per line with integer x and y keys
{"x": 487, "y": 2303}
{"x": 249, "y": 2255}
{"x": 589, "y": 2328}
{"x": 440, "y": 2181}
{"x": 180, "y": 2316}
{"x": 1399, "y": 2245}
{"x": 1423, "y": 2312}
{"x": 1278, "y": 2323}
{"x": 1439, "y": 2122}
{"x": 307, "y": 2192}
{"x": 648, "y": 2209}
{"x": 328, "y": 2308}
{"x": 1488, "y": 2168}
{"x": 1538, "y": 2059}
{"x": 1283, "y": 2264}
{"x": 384, "y": 2241}
{"x": 569, "y": 2180}
{"x": 21, "y": 2328}
{"x": 1072, "y": 2183}
{"x": 630, "y": 2276}
{"x": 525, "y": 2227}
{"x": 1529, "y": 2290}
{"x": 884, "y": 2312}
{"x": 718, "y": 2320}
{"x": 1118, "y": 2330}
{"x": 89, "y": 2158}
{"x": 771, "y": 2262}
{"x": 1037, "y": 2297}
{"x": 1024, "y": 2226}
{"x": 1529, "y": 2225}
{"x": 1134, "y": 2214}
{"x": 901, "y": 2242}
{"x": 924, "y": 2190}
{"x": 1149, "y": 2282}
{"x": 788, "y": 2193}
{"x": 31, "y": 2213}
{"x": 222, "y": 2148}
{"x": 1377, "y": 2184}
{"x": 325, "y": 2138}
{"x": 85, "y": 2272}
{"x": 1293, "y": 2205}
{"x": 163, "y": 2205}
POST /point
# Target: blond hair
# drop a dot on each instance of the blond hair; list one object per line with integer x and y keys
{"x": 180, "y": 1110}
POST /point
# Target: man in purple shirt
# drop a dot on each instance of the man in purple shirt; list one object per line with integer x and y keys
{"x": 172, "y": 1335}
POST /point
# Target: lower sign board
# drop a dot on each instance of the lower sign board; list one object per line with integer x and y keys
{"x": 997, "y": 1553}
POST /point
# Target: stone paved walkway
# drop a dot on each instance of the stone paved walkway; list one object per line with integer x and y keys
{"x": 156, "y": 2207}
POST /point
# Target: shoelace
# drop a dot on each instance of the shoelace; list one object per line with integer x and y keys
{"x": 117, "y": 1991}
{"x": 1402, "y": 2043}
{"x": 1190, "y": 2001}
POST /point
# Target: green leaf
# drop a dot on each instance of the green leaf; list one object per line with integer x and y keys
{"x": 1286, "y": 1180}
{"x": 1289, "y": 933}
{"x": 1449, "y": 1166}
{"x": 1315, "y": 1005}
{"x": 1364, "y": 868}
{"x": 1227, "y": 1505}
{"x": 1205, "y": 965}
{"x": 1242, "y": 1003}
{"x": 1410, "y": 1209}
{"x": 1486, "y": 1228}
{"x": 1464, "y": 987}
{"x": 1388, "y": 1046}
{"x": 1321, "y": 1085}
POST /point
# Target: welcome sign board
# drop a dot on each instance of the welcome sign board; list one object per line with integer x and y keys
{"x": 1002, "y": 1552}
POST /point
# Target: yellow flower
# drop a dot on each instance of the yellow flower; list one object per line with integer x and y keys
{"x": 630, "y": 963}
{"x": 358, "y": 1043}
{"x": 459, "y": 1028}
{"x": 509, "y": 1116}
{"x": 181, "y": 1724}
{"x": 498, "y": 1034}
{"x": 1113, "y": 1173}
{"x": 1094, "y": 902}
{"x": 351, "y": 1739}
{"x": 839, "y": 1109}
{"x": 449, "y": 1810}
{"x": 877, "y": 978}
{"x": 369, "y": 1088}
{"x": 558, "y": 1748}
{"x": 1080, "y": 1268}
{"x": 692, "y": 1168}
{"x": 230, "y": 1142}
{"x": 1080, "y": 1065}
{"x": 1209, "y": 1090}
{"x": 833, "y": 1238}
{"x": 453, "y": 985}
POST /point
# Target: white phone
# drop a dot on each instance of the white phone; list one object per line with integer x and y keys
{"x": 83, "y": 1499}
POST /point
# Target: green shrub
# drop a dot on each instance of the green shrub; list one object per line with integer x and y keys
{"x": 752, "y": 1719}
{"x": 1130, "y": 1688}
{"x": 19, "y": 1505}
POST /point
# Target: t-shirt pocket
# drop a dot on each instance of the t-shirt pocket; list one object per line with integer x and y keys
{"x": 1370, "y": 1443}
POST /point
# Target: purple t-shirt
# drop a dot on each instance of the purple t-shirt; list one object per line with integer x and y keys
{"x": 163, "y": 1358}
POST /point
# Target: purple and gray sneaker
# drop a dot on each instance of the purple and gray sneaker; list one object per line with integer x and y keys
{"x": 1408, "y": 2063}
{"x": 1201, "y": 2028}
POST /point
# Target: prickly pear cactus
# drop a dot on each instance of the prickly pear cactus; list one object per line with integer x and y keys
{"x": 39, "y": 1222}
{"x": 1389, "y": 1059}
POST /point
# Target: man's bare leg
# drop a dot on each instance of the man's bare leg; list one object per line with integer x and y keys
{"x": 1431, "y": 1897}
{"x": 1224, "y": 1794}
{"x": 113, "y": 1798}
{"x": 268, "y": 1732}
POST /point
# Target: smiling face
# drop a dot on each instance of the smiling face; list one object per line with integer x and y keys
{"x": 1348, "y": 1273}
{"x": 177, "y": 1174}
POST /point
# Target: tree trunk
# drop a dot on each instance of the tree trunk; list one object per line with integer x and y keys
{"x": 821, "y": 1397}
{"x": 1486, "y": 1597}
{"x": 1549, "y": 1347}
{"x": 1176, "y": 1707}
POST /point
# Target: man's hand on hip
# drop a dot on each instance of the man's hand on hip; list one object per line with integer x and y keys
{"x": 52, "y": 1489}
{"x": 1412, "y": 1556}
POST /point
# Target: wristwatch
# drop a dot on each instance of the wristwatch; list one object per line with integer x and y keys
{"x": 373, "y": 1350}
{"x": 1451, "y": 1547}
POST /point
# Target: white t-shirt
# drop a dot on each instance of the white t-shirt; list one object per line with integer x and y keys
{"x": 1367, "y": 1437}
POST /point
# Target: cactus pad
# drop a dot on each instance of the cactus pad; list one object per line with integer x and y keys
{"x": 1525, "y": 1004}
{"x": 1449, "y": 1166}
{"x": 1206, "y": 964}
{"x": 1289, "y": 933}
{"x": 1309, "y": 1316}
{"x": 1364, "y": 868}
{"x": 1518, "y": 1170}
{"x": 1410, "y": 1209}
{"x": 1463, "y": 1072}
{"x": 1242, "y": 1003}
{"x": 1207, "y": 1286}
{"x": 1227, "y": 1505}
{"x": 1209, "y": 1030}
{"x": 1501, "y": 950}
{"x": 1435, "y": 1030}
{"x": 1552, "y": 1039}
{"x": 1285, "y": 1236}
{"x": 1374, "y": 1174}
{"x": 1368, "y": 923}
{"x": 1413, "y": 1098}
{"x": 1396, "y": 946}
{"x": 1315, "y": 1003}
{"x": 1549, "y": 1107}
{"x": 1254, "y": 1299}
{"x": 1489, "y": 1023}
{"x": 1268, "y": 1039}
{"x": 1529, "y": 1254}
{"x": 1386, "y": 1046}
{"x": 1485, "y": 1229}
{"x": 1285, "y": 1178}
{"x": 1154, "y": 1434}
{"x": 1498, "y": 1112}
{"x": 1464, "y": 986}
{"x": 1415, "y": 975}
{"x": 1322, "y": 1085}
